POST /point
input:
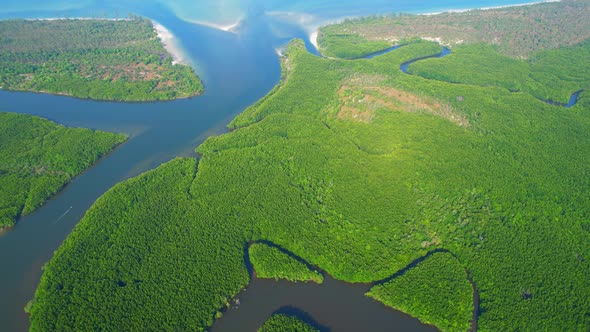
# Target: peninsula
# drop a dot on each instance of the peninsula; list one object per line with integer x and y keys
{"x": 120, "y": 60}
{"x": 39, "y": 157}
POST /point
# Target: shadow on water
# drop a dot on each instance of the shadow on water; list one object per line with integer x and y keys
{"x": 303, "y": 316}
{"x": 331, "y": 306}
{"x": 335, "y": 305}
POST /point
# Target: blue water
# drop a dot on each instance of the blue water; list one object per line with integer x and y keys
{"x": 573, "y": 99}
{"x": 237, "y": 69}
{"x": 404, "y": 66}
{"x": 228, "y": 11}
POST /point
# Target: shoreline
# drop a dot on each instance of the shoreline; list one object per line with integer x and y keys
{"x": 314, "y": 31}
{"x": 170, "y": 43}
{"x": 313, "y": 39}
{"x": 82, "y": 18}
{"x": 449, "y": 11}
{"x": 67, "y": 95}
{"x": 60, "y": 190}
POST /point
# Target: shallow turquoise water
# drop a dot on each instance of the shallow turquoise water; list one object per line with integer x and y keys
{"x": 228, "y": 11}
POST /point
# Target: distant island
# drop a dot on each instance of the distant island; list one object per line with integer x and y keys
{"x": 39, "y": 157}
{"x": 118, "y": 60}
{"x": 460, "y": 196}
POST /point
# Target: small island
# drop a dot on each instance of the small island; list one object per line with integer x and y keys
{"x": 39, "y": 157}
{"x": 117, "y": 60}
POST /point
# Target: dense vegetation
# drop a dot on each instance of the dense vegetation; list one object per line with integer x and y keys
{"x": 285, "y": 323}
{"x": 99, "y": 59}
{"x": 350, "y": 46}
{"x": 156, "y": 260}
{"x": 440, "y": 293}
{"x": 38, "y": 157}
{"x": 481, "y": 65}
{"x": 358, "y": 169}
{"x": 514, "y": 31}
{"x": 271, "y": 262}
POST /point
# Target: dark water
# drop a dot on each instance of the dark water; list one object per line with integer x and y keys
{"x": 385, "y": 51}
{"x": 334, "y": 305}
{"x": 237, "y": 69}
{"x": 404, "y": 66}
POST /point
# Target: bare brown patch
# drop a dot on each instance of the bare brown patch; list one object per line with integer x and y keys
{"x": 360, "y": 99}
{"x": 136, "y": 72}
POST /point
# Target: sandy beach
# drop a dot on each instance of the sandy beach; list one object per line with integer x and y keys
{"x": 488, "y": 8}
{"x": 313, "y": 38}
{"x": 170, "y": 44}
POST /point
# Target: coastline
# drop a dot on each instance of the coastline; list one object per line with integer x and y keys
{"x": 170, "y": 43}
{"x": 488, "y": 8}
{"x": 314, "y": 31}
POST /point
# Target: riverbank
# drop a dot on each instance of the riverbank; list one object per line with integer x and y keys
{"x": 28, "y": 180}
{"x": 171, "y": 44}
{"x": 487, "y": 8}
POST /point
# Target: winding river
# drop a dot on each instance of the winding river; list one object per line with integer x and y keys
{"x": 237, "y": 69}
{"x": 404, "y": 67}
